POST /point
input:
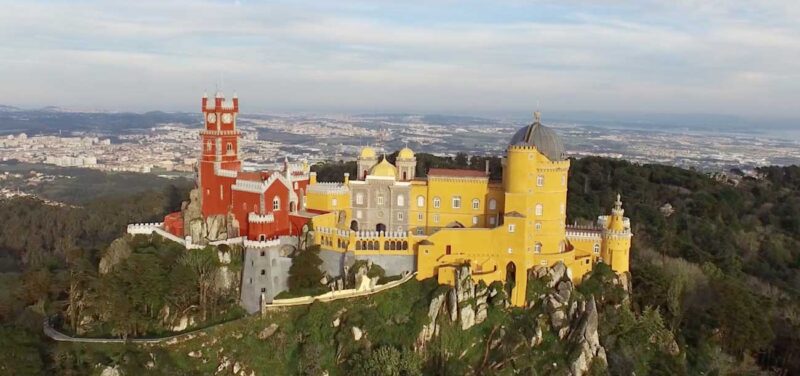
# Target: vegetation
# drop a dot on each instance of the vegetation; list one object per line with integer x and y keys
{"x": 715, "y": 288}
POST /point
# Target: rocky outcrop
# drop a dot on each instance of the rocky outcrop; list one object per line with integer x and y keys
{"x": 586, "y": 340}
{"x": 209, "y": 229}
{"x": 268, "y": 331}
{"x": 118, "y": 251}
{"x": 431, "y": 328}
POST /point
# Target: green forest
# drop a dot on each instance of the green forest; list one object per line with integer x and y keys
{"x": 716, "y": 269}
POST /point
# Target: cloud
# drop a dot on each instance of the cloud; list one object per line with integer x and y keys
{"x": 666, "y": 56}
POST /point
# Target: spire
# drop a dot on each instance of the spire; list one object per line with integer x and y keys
{"x": 537, "y": 117}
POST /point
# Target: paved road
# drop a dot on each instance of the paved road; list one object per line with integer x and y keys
{"x": 61, "y": 337}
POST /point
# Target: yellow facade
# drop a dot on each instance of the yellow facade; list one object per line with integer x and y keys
{"x": 502, "y": 229}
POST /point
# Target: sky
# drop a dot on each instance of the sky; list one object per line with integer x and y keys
{"x": 731, "y": 57}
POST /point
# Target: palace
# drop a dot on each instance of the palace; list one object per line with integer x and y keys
{"x": 386, "y": 214}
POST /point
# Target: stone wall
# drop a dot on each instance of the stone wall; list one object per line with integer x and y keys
{"x": 264, "y": 274}
{"x": 333, "y": 262}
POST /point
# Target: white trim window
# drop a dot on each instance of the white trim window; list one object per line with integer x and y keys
{"x": 420, "y": 201}
{"x": 476, "y": 204}
{"x": 436, "y": 218}
{"x": 456, "y": 202}
{"x": 492, "y": 204}
{"x": 512, "y": 227}
{"x": 420, "y": 217}
{"x": 539, "y": 209}
{"x": 537, "y": 248}
{"x": 475, "y": 220}
{"x": 540, "y": 181}
{"x": 379, "y": 200}
{"x": 401, "y": 200}
{"x": 334, "y": 202}
{"x": 359, "y": 198}
{"x": 399, "y": 216}
{"x": 276, "y": 203}
{"x": 596, "y": 248}
{"x": 437, "y": 202}
{"x": 538, "y": 226}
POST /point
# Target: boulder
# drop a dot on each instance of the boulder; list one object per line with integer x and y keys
{"x": 216, "y": 228}
{"x": 118, "y": 251}
{"x": 429, "y": 329}
{"x": 111, "y": 371}
{"x": 565, "y": 289}
{"x": 357, "y": 333}
{"x": 586, "y": 340}
{"x": 336, "y": 322}
{"x": 467, "y": 316}
{"x": 556, "y": 273}
{"x": 537, "y": 337}
{"x": 268, "y": 331}
{"x": 195, "y": 354}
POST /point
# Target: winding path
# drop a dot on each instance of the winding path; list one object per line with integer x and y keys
{"x": 55, "y": 335}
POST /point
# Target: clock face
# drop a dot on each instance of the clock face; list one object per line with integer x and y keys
{"x": 212, "y": 118}
{"x": 227, "y": 118}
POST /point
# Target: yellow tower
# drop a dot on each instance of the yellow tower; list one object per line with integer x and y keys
{"x": 616, "y": 238}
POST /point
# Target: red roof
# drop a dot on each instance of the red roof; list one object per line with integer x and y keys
{"x": 253, "y": 175}
{"x": 457, "y": 173}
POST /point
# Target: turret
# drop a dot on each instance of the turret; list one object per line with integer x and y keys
{"x": 616, "y": 238}
{"x": 346, "y": 178}
{"x": 312, "y": 177}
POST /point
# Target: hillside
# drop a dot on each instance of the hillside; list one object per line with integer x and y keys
{"x": 714, "y": 290}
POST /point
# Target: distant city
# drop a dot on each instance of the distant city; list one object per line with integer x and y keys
{"x": 166, "y": 144}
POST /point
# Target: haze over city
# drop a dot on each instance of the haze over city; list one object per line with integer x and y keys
{"x": 501, "y": 57}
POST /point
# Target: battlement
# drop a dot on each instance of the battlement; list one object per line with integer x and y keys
{"x": 220, "y": 133}
{"x": 328, "y": 188}
{"x": 144, "y": 228}
{"x": 279, "y": 241}
{"x": 260, "y": 218}
{"x": 220, "y": 104}
{"x": 219, "y": 171}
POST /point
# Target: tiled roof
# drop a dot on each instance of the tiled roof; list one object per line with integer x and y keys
{"x": 457, "y": 173}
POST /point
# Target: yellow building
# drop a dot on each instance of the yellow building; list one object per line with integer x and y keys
{"x": 454, "y": 216}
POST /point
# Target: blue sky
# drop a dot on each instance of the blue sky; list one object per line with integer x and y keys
{"x": 489, "y": 57}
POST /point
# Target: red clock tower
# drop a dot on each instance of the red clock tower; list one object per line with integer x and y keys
{"x": 219, "y": 164}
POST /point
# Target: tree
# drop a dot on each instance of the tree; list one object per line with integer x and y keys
{"x": 304, "y": 272}
{"x": 388, "y": 361}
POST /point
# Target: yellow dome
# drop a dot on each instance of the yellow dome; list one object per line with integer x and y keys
{"x": 384, "y": 168}
{"x": 405, "y": 153}
{"x": 367, "y": 152}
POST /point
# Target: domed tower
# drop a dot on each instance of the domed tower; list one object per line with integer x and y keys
{"x": 366, "y": 160}
{"x": 535, "y": 182}
{"x": 616, "y": 238}
{"x": 383, "y": 169}
{"x": 406, "y": 164}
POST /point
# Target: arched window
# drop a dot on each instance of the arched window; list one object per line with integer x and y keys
{"x": 539, "y": 209}
{"x": 596, "y": 248}
{"x": 386, "y": 245}
{"x": 537, "y": 248}
{"x": 229, "y": 147}
{"x": 476, "y": 204}
{"x": 492, "y": 204}
{"x": 401, "y": 200}
{"x": 420, "y": 201}
{"x": 437, "y": 202}
{"x": 276, "y": 203}
{"x": 540, "y": 180}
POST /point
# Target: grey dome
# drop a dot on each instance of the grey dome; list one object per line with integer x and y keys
{"x": 544, "y": 139}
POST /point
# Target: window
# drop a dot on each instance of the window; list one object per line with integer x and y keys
{"x": 539, "y": 209}
{"x": 401, "y": 200}
{"x": 476, "y": 204}
{"x": 510, "y": 250}
{"x": 276, "y": 203}
{"x": 262, "y": 253}
{"x": 379, "y": 200}
{"x": 419, "y": 230}
{"x": 359, "y": 198}
{"x": 436, "y": 218}
{"x": 492, "y": 204}
{"x": 456, "y": 202}
{"x": 511, "y": 227}
{"x": 208, "y": 145}
{"x": 399, "y": 216}
{"x": 491, "y": 221}
{"x": 540, "y": 180}
{"x": 596, "y": 248}
{"x": 263, "y": 272}
{"x": 537, "y": 248}
{"x": 419, "y": 216}
{"x": 437, "y": 202}
{"x": 475, "y": 220}
{"x": 229, "y": 147}
{"x": 295, "y": 185}
{"x": 334, "y": 202}
{"x": 538, "y": 226}
{"x": 358, "y": 214}
{"x": 420, "y": 201}
{"x": 263, "y": 289}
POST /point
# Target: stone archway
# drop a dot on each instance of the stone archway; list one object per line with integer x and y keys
{"x": 354, "y": 225}
{"x": 380, "y": 227}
